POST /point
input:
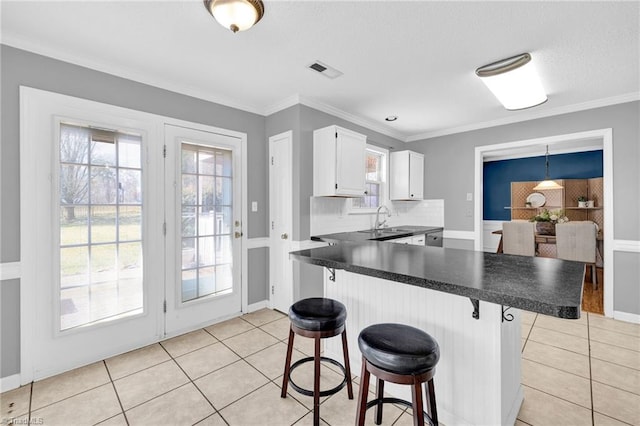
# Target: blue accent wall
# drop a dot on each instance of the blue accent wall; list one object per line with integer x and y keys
{"x": 498, "y": 175}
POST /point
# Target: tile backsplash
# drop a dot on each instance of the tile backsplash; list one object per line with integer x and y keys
{"x": 329, "y": 215}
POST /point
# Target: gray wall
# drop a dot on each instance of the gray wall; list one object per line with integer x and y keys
{"x": 19, "y": 67}
{"x": 449, "y": 174}
{"x": 258, "y": 274}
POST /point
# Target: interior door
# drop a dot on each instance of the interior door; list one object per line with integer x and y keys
{"x": 203, "y": 227}
{"x": 280, "y": 214}
{"x": 88, "y": 238}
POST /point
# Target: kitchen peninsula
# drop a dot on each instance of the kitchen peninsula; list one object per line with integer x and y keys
{"x": 468, "y": 301}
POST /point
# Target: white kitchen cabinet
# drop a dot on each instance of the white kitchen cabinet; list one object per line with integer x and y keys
{"x": 338, "y": 162}
{"x": 407, "y": 175}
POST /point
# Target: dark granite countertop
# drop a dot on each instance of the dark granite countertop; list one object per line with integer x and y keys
{"x": 548, "y": 286}
{"x": 385, "y": 234}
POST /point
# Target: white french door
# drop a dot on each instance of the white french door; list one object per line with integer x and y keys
{"x": 88, "y": 232}
{"x": 203, "y": 222}
{"x": 130, "y": 230}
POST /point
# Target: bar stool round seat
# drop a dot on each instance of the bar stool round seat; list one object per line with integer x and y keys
{"x": 318, "y": 314}
{"x": 400, "y": 354}
{"x": 317, "y": 318}
{"x": 399, "y": 348}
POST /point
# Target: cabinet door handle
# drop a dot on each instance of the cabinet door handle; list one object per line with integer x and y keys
{"x": 411, "y": 195}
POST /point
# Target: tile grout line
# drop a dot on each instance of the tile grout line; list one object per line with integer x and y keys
{"x": 30, "y": 401}
{"x": 113, "y": 385}
{"x": 215, "y": 410}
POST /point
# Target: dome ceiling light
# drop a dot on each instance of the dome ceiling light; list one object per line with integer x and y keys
{"x": 514, "y": 81}
{"x": 236, "y": 15}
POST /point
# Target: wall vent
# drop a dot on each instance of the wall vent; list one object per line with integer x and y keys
{"x": 324, "y": 69}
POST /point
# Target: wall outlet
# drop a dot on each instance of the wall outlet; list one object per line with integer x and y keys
{"x": 254, "y": 206}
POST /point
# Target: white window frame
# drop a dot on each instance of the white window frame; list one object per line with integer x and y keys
{"x": 384, "y": 186}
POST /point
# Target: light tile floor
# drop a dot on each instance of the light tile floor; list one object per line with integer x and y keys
{"x": 583, "y": 372}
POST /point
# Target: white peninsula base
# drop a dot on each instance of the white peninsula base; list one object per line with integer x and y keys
{"x": 477, "y": 379}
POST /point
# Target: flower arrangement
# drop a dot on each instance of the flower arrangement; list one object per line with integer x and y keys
{"x": 555, "y": 216}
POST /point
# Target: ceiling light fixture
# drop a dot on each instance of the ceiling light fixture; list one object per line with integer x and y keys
{"x": 547, "y": 183}
{"x": 514, "y": 81}
{"x": 237, "y": 15}
{"x": 391, "y": 118}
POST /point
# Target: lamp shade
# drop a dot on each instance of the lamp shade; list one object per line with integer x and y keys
{"x": 237, "y": 15}
{"x": 547, "y": 184}
{"x": 514, "y": 81}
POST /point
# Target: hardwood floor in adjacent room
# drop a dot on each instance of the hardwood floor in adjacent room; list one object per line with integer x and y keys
{"x": 592, "y": 300}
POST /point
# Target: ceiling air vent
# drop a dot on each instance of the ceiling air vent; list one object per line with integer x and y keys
{"x": 325, "y": 69}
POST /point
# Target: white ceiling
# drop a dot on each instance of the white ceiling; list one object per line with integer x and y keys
{"x": 413, "y": 59}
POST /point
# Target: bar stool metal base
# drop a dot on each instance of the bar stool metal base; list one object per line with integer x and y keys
{"x": 308, "y": 392}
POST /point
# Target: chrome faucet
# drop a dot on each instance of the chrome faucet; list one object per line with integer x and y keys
{"x": 379, "y": 224}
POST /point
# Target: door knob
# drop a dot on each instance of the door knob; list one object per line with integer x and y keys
{"x": 238, "y": 234}
{"x": 284, "y": 236}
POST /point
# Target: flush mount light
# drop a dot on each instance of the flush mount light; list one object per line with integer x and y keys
{"x": 237, "y": 15}
{"x": 514, "y": 81}
{"x": 391, "y": 118}
{"x": 547, "y": 183}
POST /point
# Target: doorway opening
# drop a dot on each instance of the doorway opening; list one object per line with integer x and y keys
{"x": 574, "y": 142}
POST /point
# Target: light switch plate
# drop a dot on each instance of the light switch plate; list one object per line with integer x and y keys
{"x": 254, "y": 206}
{"x": 469, "y": 196}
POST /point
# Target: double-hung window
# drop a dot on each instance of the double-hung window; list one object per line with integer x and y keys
{"x": 375, "y": 181}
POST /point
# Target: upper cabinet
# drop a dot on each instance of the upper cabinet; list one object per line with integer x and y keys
{"x": 407, "y": 176}
{"x": 338, "y": 162}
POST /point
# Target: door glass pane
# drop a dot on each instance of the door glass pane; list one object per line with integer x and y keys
{"x": 207, "y": 255}
{"x": 100, "y": 225}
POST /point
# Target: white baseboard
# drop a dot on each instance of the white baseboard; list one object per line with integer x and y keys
{"x": 257, "y": 306}
{"x": 626, "y": 316}
{"x": 9, "y": 383}
{"x": 10, "y": 271}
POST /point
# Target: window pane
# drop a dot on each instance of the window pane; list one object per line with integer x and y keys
{"x": 373, "y": 166}
{"x": 224, "y": 253}
{"x": 189, "y": 190}
{"x": 224, "y": 220}
{"x": 188, "y": 253}
{"x": 103, "y": 153}
{"x": 205, "y": 196}
{"x": 103, "y": 263}
{"x": 224, "y": 191}
{"x": 130, "y": 223}
{"x": 189, "y": 285}
{"x": 129, "y": 151}
{"x": 130, "y": 186}
{"x": 103, "y": 185}
{"x": 224, "y": 278}
{"x": 206, "y": 223}
{"x": 74, "y": 228}
{"x": 206, "y": 281}
{"x": 130, "y": 261}
{"x": 223, "y": 163}
{"x": 188, "y": 221}
{"x": 74, "y": 144}
{"x": 188, "y": 161}
{"x": 74, "y": 184}
{"x": 206, "y": 163}
{"x": 206, "y": 251}
{"x": 74, "y": 266}
{"x": 103, "y": 224}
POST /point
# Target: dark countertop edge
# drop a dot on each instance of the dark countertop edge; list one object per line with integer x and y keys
{"x": 394, "y": 236}
{"x": 565, "y": 312}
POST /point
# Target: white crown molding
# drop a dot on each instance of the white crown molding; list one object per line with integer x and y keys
{"x": 123, "y": 72}
{"x": 556, "y": 151}
{"x": 532, "y": 115}
{"x": 282, "y": 105}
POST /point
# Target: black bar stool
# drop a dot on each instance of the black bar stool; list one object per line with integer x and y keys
{"x": 399, "y": 354}
{"x": 317, "y": 318}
